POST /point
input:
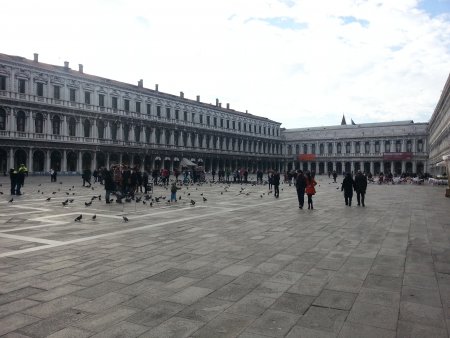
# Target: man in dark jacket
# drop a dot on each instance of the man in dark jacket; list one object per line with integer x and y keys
{"x": 300, "y": 184}
{"x": 276, "y": 184}
{"x": 347, "y": 188}
{"x": 110, "y": 186}
{"x": 360, "y": 187}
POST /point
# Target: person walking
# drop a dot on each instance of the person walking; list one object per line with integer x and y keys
{"x": 310, "y": 189}
{"x": 276, "y": 184}
{"x": 300, "y": 184}
{"x": 173, "y": 192}
{"x": 21, "y": 173}
{"x": 110, "y": 186}
{"x": 360, "y": 187}
{"x": 13, "y": 179}
{"x": 334, "y": 176}
{"x": 347, "y": 187}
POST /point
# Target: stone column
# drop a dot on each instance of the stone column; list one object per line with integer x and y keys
{"x": 152, "y": 136}
{"x": 352, "y": 166}
{"x": 334, "y": 165}
{"x": 372, "y": 167}
{"x": 64, "y": 161}
{"x": 172, "y": 141}
{"x": 47, "y": 161}
{"x": 80, "y": 162}
{"x": 11, "y": 159}
{"x": 94, "y": 162}
{"x": 107, "y": 161}
{"x": 30, "y": 160}
{"x": 403, "y": 166}
{"x": 382, "y": 166}
{"x": 414, "y": 166}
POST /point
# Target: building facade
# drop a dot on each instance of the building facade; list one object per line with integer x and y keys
{"x": 391, "y": 147}
{"x": 53, "y": 117}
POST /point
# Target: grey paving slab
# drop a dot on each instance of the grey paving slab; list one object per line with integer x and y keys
{"x": 236, "y": 265}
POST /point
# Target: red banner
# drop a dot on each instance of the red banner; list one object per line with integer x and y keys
{"x": 306, "y": 157}
{"x": 397, "y": 156}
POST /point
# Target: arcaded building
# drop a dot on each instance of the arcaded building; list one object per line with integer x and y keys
{"x": 389, "y": 147}
{"x": 55, "y": 117}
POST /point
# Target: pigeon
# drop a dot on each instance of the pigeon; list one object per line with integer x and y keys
{"x": 260, "y": 196}
{"x": 143, "y": 202}
{"x": 151, "y": 204}
{"x": 88, "y": 204}
{"x": 60, "y": 182}
{"x": 179, "y": 198}
{"x": 1, "y": 192}
{"x": 192, "y": 202}
{"x": 65, "y": 203}
{"x": 67, "y": 193}
{"x": 201, "y": 194}
{"x": 39, "y": 185}
{"x": 48, "y": 199}
{"x": 77, "y": 219}
{"x": 11, "y": 200}
{"x": 94, "y": 217}
{"x": 71, "y": 200}
{"x": 99, "y": 197}
{"x": 204, "y": 199}
{"x": 92, "y": 188}
{"x": 125, "y": 218}
{"x": 54, "y": 192}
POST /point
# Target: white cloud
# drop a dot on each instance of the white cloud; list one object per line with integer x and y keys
{"x": 302, "y": 63}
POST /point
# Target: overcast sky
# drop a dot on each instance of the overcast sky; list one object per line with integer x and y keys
{"x": 299, "y": 62}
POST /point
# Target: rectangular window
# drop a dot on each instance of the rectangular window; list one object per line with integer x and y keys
{"x": 228, "y": 124}
{"x": 259, "y": 129}
{"x": 177, "y": 114}
{"x": 215, "y": 122}
{"x": 138, "y": 107}
{"x": 149, "y": 108}
{"x": 208, "y": 120}
{"x": 101, "y": 100}
{"x": 126, "y": 105}
{"x": 185, "y": 113}
{"x": 72, "y": 94}
{"x": 158, "y": 111}
{"x": 22, "y": 84}
{"x": 234, "y": 125}
{"x": 221, "y": 123}
{"x": 193, "y": 117}
{"x": 168, "y": 113}
{"x": 2, "y": 82}
{"x": 57, "y": 92}
{"x": 87, "y": 97}
{"x": 39, "y": 89}
{"x": 114, "y": 103}
{"x": 201, "y": 118}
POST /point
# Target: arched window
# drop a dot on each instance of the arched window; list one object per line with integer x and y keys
{"x": 87, "y": 128}
{"x": 398, "y": 146}
{"x": 126, "y": 132}
{"x": 377, "y": 146}
{"x": 114, "y": 131}
{"x": 357, "y": 148}
{"x": 330, "y": 148}
{"x": 56, "y": 125}
{"x": 72, "y": 127}
{"x": 313, "y": 148}
{"x": 21, "y": 118}
{"x": 420, "y": 146}
{"x": 367, "y": 147}
{"x": 321, "y": 149}
{"x": 148, "y": 134}
{"x": 387, "y": 147}
{"x": 137, "y": 133}
{"x": 305, "y": 149}
{"x": 289, "y": 150}
{"x": 167, "y": 134}
{"x": 338, "y": 148}
{"x": 2, "y": 119}
{"x": 409, "y": 146}
{"x": 347, "y": 148}
{"x": 157, "y": 136}
{"x": 39, "y": 123}
{"x": 297, "y": 149}
{"x": 101, "y": 129}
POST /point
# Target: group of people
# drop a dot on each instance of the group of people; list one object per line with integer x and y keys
{"x": 17, "y": 178}
{"x": 305, "y": 184}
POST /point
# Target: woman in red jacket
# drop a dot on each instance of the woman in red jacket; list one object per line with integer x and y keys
{"x": 310, "y": 190}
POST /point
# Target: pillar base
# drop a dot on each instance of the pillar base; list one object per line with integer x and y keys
{"x": 447, "y": 192}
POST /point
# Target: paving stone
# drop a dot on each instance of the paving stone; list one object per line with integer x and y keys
{"x": 16, "y": 306}
{"x": 429, "y": 297}
{"x": 415, "y": 330}
{"x": 307, "y": 285}
{"x": 379, "y": 297}
{"x": 422, "y": 314}
{"x": 102, "y": 303}
{"x": 55, "y": 293}
{"x": 223, "y": 326}
{"x": 122, "y": 329}
{"x": 156, "y": 313}
{"x": 251, "y": 305}
{"x": 232, "y": 292}
{"x": 273, "y": 323}
{"x": 235, "y": 270}
{"x": 420, "y": 281}
{"x": 175, "y": 327}
{"x": 301, "y": 331}
{"x": 18, "y": 294}
{"x": 323, "y": 319}
{"x": 215, "y": 281}
{"x": 354, "y": 330}
{"x": 101, "y": 321}
{"x": 14, "y": 322}
{"x": 205, "y": 309}
{"x": 54, "y": 323}
{"x": 54, "y": 306}
{"x": 374, "y": 315}
{"x": 71, "y": 332}
{"x": 335, "y": 299}
{"x": 189, "y": 295}
{"x": 383, "y": 283}
{"x": 99, "y": 290}
{"x": 293, "y": 303}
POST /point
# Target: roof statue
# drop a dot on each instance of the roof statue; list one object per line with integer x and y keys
{"x": 343, "y": 122}
{"x": 353, "y": 123}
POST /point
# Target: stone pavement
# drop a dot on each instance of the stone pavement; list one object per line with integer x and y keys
{"x": 237, "y": 265}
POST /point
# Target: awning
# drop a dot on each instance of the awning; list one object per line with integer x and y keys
{"x": 176, "y": 159}
{"x": 167, "y": 158}
{"x": 157, "y": 158}
{"x": 187, "y": 163}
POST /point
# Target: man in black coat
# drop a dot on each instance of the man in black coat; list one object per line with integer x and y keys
{"x": 347, "y": 188}
{"x": 300, "y": 184}
{"x": 360, "y": 187}
{"x": 276, "y": 184}
{"x": 110, "y": 186}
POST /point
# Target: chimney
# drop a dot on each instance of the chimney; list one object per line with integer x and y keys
{"x": 198, "y": 98}
{"x": 228, "y": 106}
{"x": 156, "y": 87}
{"x": 220, "y": 104}
{"x": 80, "y": 68}
{"x": 217, "y": 102}
{"x": 182, "y": 95}
{"x": 66, "y": 65}
{"x": 36, "y": 57}
{"x": 141, "y": 83}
